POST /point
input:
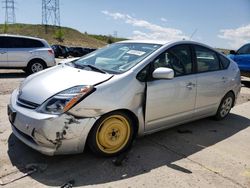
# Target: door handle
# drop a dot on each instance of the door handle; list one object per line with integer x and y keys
{"x": 224, "y": 79}
{"x": 3, "y": 52}
{"x": 190, "y": 85}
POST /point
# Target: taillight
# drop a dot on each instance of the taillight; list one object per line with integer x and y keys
{"x": 51, "y": 51}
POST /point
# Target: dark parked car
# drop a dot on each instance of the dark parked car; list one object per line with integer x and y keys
{"x": 60, "y": 50}
{"x": 80, "y": 51}
{"x": 242, "y": 58}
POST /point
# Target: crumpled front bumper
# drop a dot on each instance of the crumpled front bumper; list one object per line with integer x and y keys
{"x": 49, "y": 134}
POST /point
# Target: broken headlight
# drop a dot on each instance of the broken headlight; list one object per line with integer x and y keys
{"x": 65, "y": 100}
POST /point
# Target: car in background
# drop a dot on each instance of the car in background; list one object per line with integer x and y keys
{"x": 60, "y": 51}
{"x": 27, "y": 53}
{"x": 79, "y": 51}
{"x": 242, "y": 58}
{"x": 127, "y": 89}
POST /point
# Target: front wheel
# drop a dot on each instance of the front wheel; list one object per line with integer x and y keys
{"x": 225, "y": 106}
{"x": 111, "y": 134}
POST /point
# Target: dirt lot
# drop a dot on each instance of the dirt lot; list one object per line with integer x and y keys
{"x": 204, "y": 153}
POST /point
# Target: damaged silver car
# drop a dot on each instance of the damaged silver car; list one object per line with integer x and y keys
{"x": 131, "y": 88}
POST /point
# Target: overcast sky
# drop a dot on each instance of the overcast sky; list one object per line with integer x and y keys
{"x": 218, "y": 23}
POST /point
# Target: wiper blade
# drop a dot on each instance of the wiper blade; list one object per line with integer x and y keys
{"x": 90, "y": 66}
{"x": 96, "y": 68}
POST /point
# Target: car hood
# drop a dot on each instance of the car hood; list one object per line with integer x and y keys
{"x": 40, "y": 86}
{"x": 68, "y": 60}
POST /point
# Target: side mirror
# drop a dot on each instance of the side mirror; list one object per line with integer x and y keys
{"x": 232, "y": 52}
{"x": 163, "y": 73}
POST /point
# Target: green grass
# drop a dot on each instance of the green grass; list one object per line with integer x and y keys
{"x": 67, "y": 36}
{"x": 106, "y": 39}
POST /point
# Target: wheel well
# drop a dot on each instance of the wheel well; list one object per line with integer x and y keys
{"x": 125, "y": 111}
{"x": 133, "y": 118}
{"x": 231, "y": 91}
{"x": 37, "y": 60}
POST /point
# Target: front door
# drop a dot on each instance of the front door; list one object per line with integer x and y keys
{"x": 169, "y": 102}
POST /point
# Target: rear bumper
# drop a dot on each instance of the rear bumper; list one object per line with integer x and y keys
{"x": 49, "y": 134}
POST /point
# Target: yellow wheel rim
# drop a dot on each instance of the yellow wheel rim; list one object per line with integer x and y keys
{"x": 113, "y": 134}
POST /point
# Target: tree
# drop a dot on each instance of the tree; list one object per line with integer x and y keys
{"x": 110, "y": 39}
{"x": 5, "y": 28}
{"x": 59, "y": 35}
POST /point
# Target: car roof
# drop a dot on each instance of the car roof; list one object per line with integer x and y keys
{"x": 166, "y": 43}
{"x": 21, "y": 36}
{"x": 162, "y": 42}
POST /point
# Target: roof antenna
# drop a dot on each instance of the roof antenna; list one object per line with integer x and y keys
{"x": 191, "y": 36}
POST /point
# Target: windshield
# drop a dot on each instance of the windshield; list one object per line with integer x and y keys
{"x": 117, "y": 58}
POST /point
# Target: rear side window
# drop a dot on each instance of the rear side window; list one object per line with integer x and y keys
{"x": 177, "y": 58}
{"x": 31, "y": 43}
{"x": 224, "y": 62}
{"x": 207, "y": 60}
{"x": 3, "y": 42}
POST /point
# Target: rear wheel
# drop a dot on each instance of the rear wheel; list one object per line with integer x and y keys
{"x": 225, "y": 106}
{"x": 111, "y": 134}
{"x": 35, "y": 66}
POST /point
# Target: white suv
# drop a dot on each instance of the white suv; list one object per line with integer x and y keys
{"x": 27, "y": 53}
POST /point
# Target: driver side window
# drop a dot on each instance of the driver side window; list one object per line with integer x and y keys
{"x": 177, "y": 58}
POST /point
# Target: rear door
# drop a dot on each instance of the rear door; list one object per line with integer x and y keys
{"x": 21, "y": 50}
{"x": 3, "y": 52}
{"x": 171, "y": 101}
{"x": 18, "y": 53}
{"x": 212, "y": 81}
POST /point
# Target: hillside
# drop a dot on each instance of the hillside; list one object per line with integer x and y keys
{"x": 69, "y": 36}
{"x": 105, "y": 38}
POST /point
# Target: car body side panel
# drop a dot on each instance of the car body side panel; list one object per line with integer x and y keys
{"x": 129, "y": 96}
{"x": 20, "y": 57}
{"x": 170, "y": 101}
{"x": 211, "y": 87}
{"x": 3, "y": 57}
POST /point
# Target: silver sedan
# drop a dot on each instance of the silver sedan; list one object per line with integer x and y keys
{"x": 131, "y": 88}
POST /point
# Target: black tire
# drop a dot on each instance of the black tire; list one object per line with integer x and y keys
{"x": 35, "y": 66}
{"x": 116, "y": 141}
{"x": 225, "y": 106}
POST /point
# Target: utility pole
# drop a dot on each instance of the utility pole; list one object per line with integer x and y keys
{"x": 9, "y": 6}
{"x": 50, "y": 13}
